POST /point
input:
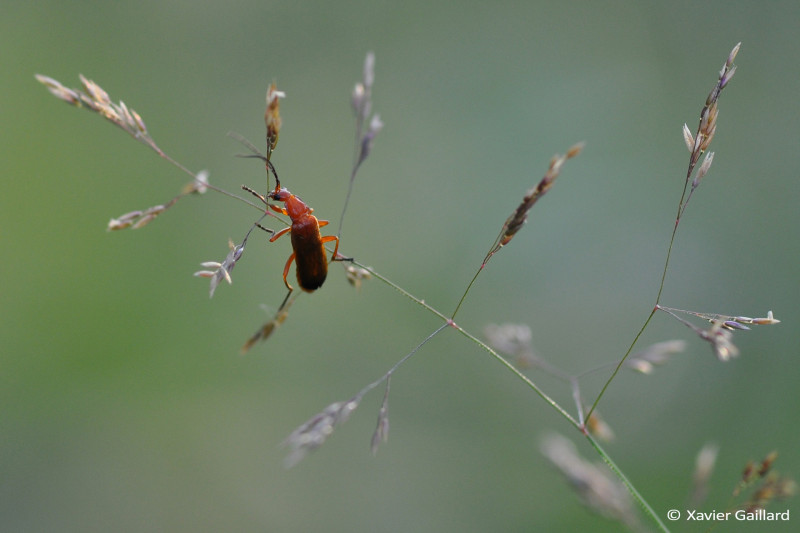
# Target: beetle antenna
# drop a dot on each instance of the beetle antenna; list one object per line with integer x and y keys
{"x": 255, "y": 152}
{"x": 271, "y": 167}
{"x": 257, "y": 195}
{"x": 252, "y": 156}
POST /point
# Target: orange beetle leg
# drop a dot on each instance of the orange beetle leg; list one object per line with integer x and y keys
{"x": 335, "y": 256}
{"x": 286, "y": 273}
{"x": 277, "y": 209}
{"x": 279, "y": 234}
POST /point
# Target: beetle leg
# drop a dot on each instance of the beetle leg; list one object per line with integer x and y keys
{"x": 335, "y": 256}
{"x": 286, "y": 273}
{"x": 277, "y": 209}
{"x": 259, "y": 226}
{"x": 280, "y": 233}
{"x": 280, "y": 316}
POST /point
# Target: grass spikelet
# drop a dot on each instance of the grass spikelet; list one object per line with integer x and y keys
{"x": 222, "y": 271}
{"x": 96, "y": 99}
{"x": 655, "y": 355}
{"x": 707, "y": 127}
{"x": 520, "y": 215}
{"x": 265, "y": 331}
{"x": 720, "y": 334}
{"x": 765, "y": 486}
{"x": 356, "y": 275}
{"x": 597, "y": 489}
{"x": 703, "y": 468}
{"x": 272, "y": 117}
{"x": 381, "y": 434}
{"x": 313, "y": 433}
{"x": 361, "y": 100}
{"x": 137, "y": 219}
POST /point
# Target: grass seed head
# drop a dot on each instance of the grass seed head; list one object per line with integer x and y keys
{"x": 272, "y": 117}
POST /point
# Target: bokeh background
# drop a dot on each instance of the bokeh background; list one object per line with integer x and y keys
{"x": 124, "y": 403}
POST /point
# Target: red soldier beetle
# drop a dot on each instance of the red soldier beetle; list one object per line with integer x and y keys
{"x": 308, "y": 245}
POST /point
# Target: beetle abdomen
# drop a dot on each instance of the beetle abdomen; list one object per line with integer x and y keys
{"x": 311, "y": 263}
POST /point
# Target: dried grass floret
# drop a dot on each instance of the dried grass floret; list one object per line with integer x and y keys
{"x": 361, "y": 101}
{"x": 94, "y": 98}
{"x": 520, "y": 215}
{"x": 381, "y": 433}
{"x": 703, "y": 468}
{"x": 699, "y": 143}
{"x": 137, "y": 219}
{"x": 272, "y": 117}
{"x": 594, "y": 484}
{"x": 766, "y": 484}
{"x": 317, "y": 429}
{"x": 356, "y": 275}
{"x": 265, "y": 331}
{"x": 655, "y": 355}
{"x": 720, "y": 333}
{"x": 222, "y": 271}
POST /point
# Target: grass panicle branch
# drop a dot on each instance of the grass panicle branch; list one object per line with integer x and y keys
{"x": 517, "y": 219}
{"x": 720, "y": 333}
{"x": 697, "y": 145}
{"x": 95, "y": 99}
{"x": 361, "y": 101}
{"x": 510, "y": 228}
{"x": 313, "y": 433}
{"x": 520, "y": 215}
{"x": 138, "y": 219}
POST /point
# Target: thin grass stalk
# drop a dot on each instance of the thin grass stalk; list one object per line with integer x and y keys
{"x": 648, "y": 510}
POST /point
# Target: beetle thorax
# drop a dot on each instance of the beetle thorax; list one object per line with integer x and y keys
{"x": 296, "y": 208}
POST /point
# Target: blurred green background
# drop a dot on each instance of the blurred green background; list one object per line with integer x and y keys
{"x": 124, "y": 404}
